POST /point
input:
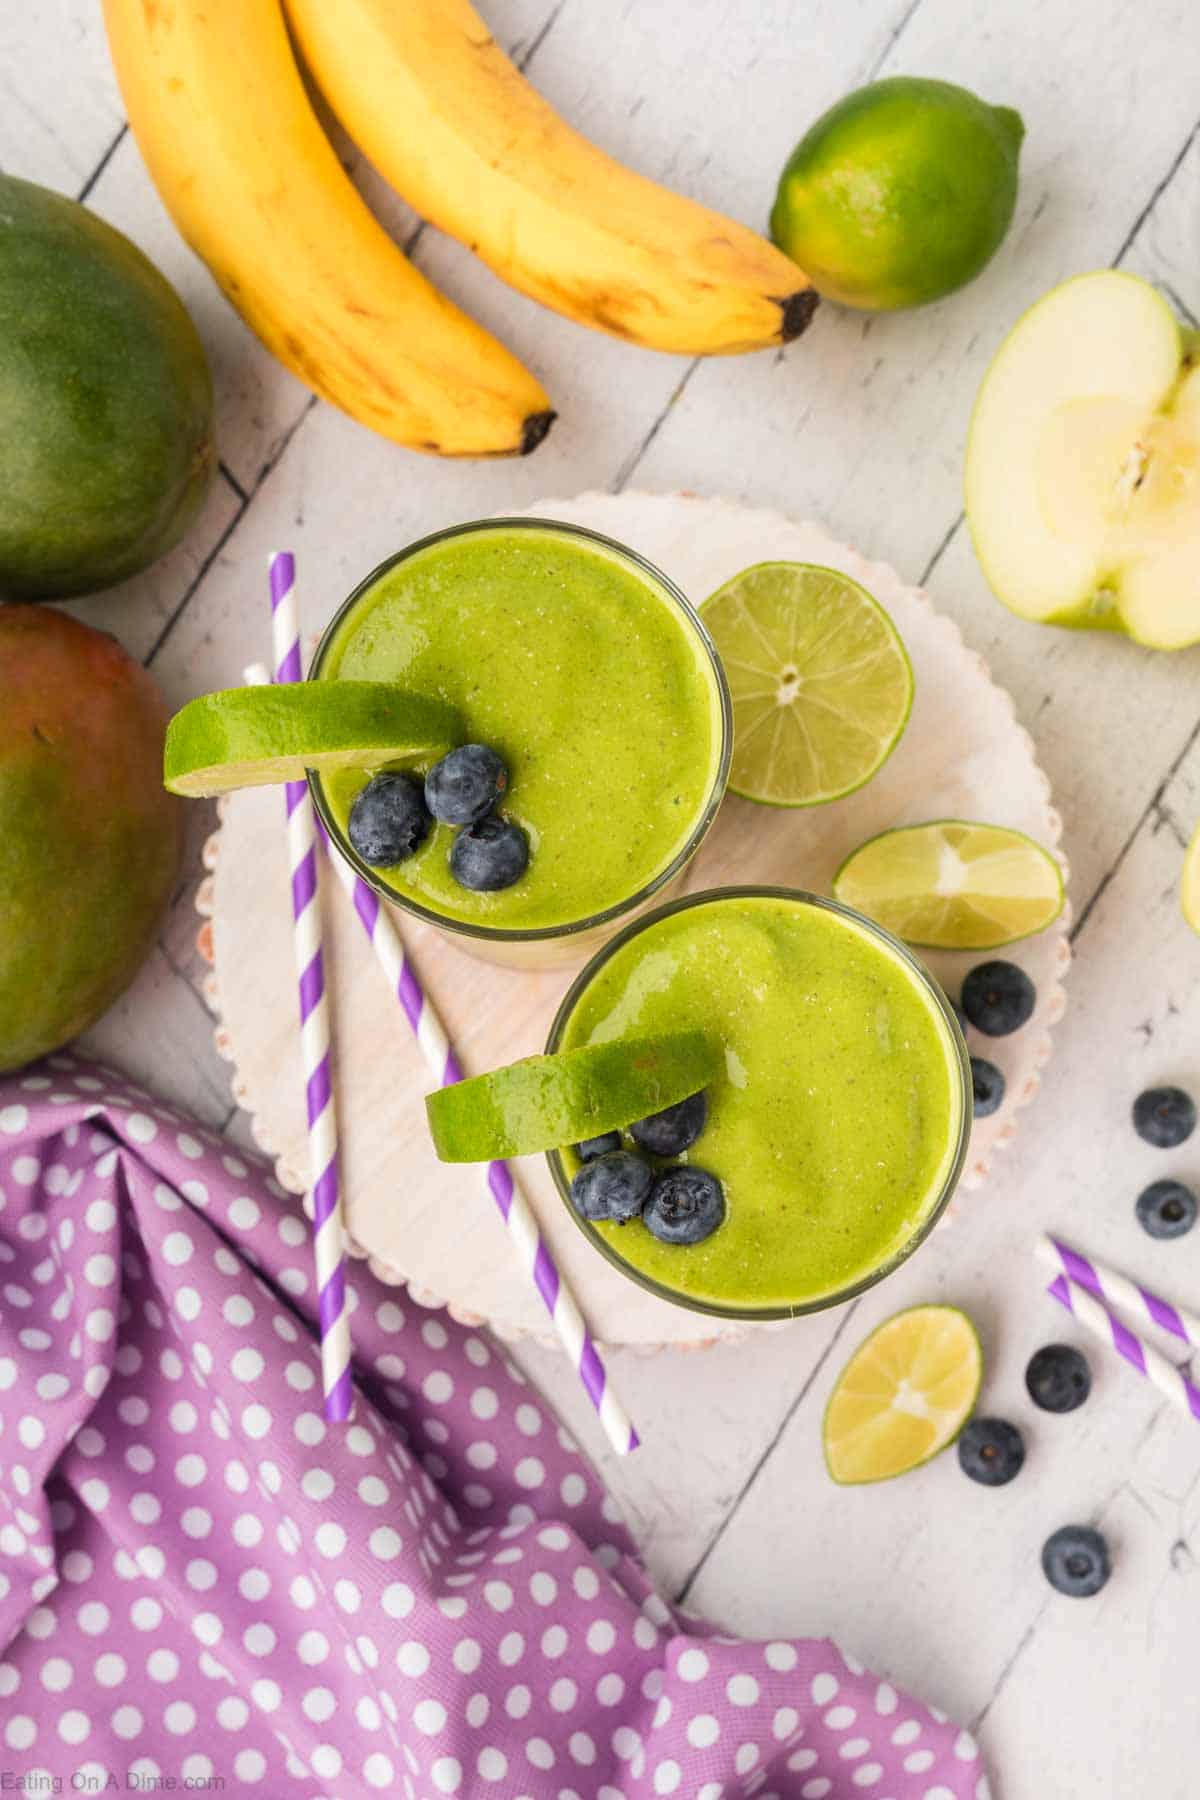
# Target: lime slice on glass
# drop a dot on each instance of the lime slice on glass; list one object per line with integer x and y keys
{"x": 953, "y": 885}
{"x": 258, "y": 736}
{"x": 1189, "y": 887}
{"x": 820, "y": 682}
{"x": 547, "y": 1102}
{"x": 904, "y": 1395}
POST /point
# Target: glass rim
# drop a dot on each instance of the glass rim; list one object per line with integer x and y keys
{"x": 508, "y": 934}
{"x": 926, "y": 979}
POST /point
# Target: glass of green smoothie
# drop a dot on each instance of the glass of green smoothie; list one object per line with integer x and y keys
{"x": 840, "y": 1124}
{"x": 591, "y": 677}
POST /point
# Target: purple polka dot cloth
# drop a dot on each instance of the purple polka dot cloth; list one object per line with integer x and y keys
{"x": 204, "y": 1586}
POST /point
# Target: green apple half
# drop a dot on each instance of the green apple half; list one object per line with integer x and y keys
{"x": 1083, "y": 464}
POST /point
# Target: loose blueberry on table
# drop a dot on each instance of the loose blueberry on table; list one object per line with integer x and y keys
{"x": 1164, "y": 1117}
{"x": 674, "y": 1129}
{"x": 686, "y": 1205}
{"x": 998, "y": 997}
{"x": 465, "y": 785}
{"x": 987, "y": 1087}
{"x": 388, "y": 820}
{"x": 990, "y": 1451}
{"x": 1058, "y": 1378}
{"x": 1076, "y": 1561}
{"x": 613, "y": 1187}
{"x": 491, "y": 854}
{"x": 1166, "y": 1209}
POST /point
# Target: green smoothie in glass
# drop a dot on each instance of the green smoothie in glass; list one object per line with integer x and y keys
{"x": 593, "y": 680}
{"x": 839, "y": 1126}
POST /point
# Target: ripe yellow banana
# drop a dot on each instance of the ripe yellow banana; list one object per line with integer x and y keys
{"x": 217, "y": 105}
{"x": 430, "y": 97}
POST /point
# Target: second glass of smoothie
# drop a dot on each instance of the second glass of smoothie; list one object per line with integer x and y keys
{"x": 594, "y": 680}
{"x": 839, "y": 1124}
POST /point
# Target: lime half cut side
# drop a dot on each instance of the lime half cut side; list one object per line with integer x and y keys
{"x": 1189, "y": 888}
{"x": 820, "y": 682}
{"x": 904, "y": 1395}
{"x": 953, "y": 885}
{"x": 548, "y": 1102}
{"x": 258, "y": 736}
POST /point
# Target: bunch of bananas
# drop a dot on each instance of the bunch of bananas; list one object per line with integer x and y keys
{"x": 219, "y": 108}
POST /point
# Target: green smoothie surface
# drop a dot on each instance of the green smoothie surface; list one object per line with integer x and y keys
{"x": 835, "y": 1124}
{"x": 589, "y": 680}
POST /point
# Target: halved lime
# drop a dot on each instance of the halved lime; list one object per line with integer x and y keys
{"x": 953, "y": 885}
{"x": 1189, "y": 887}
{"x": 820, "y": 681}
{"x": 257, "y": 736}
{"x": 547, "y": 1102}
{"x": 904, "y": 1395}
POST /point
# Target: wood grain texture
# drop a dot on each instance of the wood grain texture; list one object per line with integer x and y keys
{"x": 861, "y": 423}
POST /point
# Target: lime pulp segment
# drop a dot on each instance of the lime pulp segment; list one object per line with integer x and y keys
{"x": 258, "y": 736}
{"x": 905, "y": 1394}
{"x": 820, "y": 682}
{"x": 547, "y": 1102}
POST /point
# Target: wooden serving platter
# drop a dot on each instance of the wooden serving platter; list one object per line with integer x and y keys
{"x": 435, "y": 1228}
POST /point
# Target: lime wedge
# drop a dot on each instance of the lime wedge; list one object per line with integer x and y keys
{"x": 1189, "y": 887}
{"x": 952, "y": 885}
{"x": 546, "y": 1102}
{"x": 820, "y": 682}
{"x": 257, "y": 736}
{"x": 904, "y": 1395}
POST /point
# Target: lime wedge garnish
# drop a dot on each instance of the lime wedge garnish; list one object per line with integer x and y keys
{"x": 952, "y": 885}
{"x": 257, "y": 736}
{"x": 1189, "y": 887}
{"x": 904, "y": 1395}
{"x": 546, "y": 1102}
{"x": 820, "y": 682}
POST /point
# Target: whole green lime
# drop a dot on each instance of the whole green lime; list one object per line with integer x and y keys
{"x": 900, "y": 193}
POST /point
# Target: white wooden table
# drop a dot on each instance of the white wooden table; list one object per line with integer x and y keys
{"x": 860, "y": 424}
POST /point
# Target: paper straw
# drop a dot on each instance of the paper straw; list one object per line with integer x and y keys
{"x": 328, "y": 1252}
{"x": 1118, "y": 1290}
{"x": 1095, "y": 1317}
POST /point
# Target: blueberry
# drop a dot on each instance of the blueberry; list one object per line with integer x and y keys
{"x": 685, "y": 1206}
{"x": 1058, "y": 1378}
{"x": 672, "y": 1130}
{"x": 990, "y": 1451}
{"x": 615, "y": 1187}
{"x": 998, "y": 998}
{"x": 488, "y": 855}
{"x": 987, "y": 1085}
{"x": 1164, "y": 1116}
{"x": 961, "y": 1016}
{"x": 388, "y": 820}
{"x": 591, "y": 1148}
{"x": 465, "y": 785}
{"x": 1076, "y": 1561}
{"x": 1166, "y": 1209}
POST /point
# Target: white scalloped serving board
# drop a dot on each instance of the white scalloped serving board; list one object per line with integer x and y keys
{"x": 435, "y": 1228}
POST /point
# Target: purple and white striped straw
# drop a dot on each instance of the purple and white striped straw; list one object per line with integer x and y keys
{"x": 503, "y": 1184}
{"x": 1109, "y": 1285}
{"x": 328, "y": 1251}
{"x": 1095, "y": 1317}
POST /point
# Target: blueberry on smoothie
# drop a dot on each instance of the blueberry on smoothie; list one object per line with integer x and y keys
{"x": 1058, "y": 1378}
{"x": 388, "y": 820}
{"x": 997, "y": 998}
{"x": 674, "y": 1129}
{"x": 1166, "y": 1209}
{"x": 491, "y": 854}
{"x": 1164, "y": 1117}
{"x": 1075, "y": 1560}
{"x": 613, "y": 1187}
{"x": 685, "y": 1206}
{"x": 591, "y": 1148}
{"x": 987, "y": 1086}
{"x": 990, "y": 1451}
{"x": 465, "y": 785}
